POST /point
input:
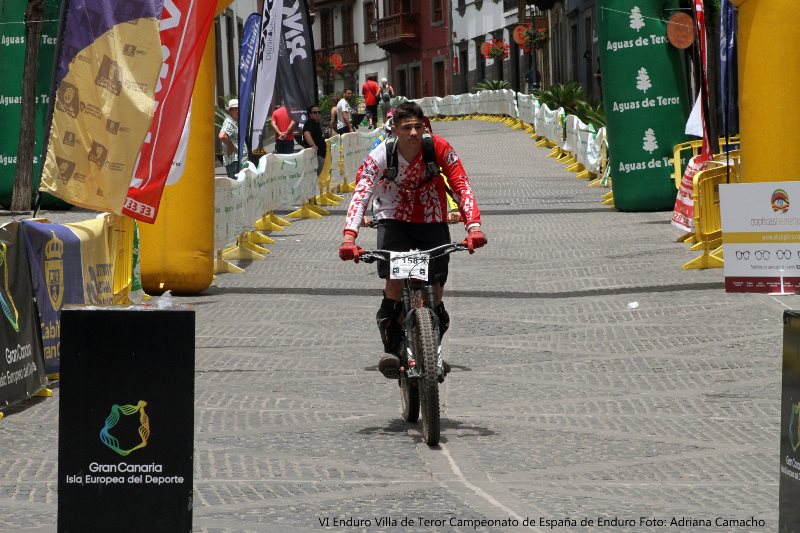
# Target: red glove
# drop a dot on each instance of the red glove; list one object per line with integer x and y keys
{"x": 475, "y": 239}
{"x": 348, "y": 251}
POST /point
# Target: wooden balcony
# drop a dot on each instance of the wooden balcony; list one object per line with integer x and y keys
{"x": 349, "y": 53}
{"x": 399, "y": 33}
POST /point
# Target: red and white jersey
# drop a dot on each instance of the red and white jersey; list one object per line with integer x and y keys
{"x": 412, "y": 196}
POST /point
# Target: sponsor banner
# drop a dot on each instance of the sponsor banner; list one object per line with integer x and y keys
{"x": 761, "y": 235}
{"x": 54, "y": 255}
{"x": 789, "y": 484}
{"x": 247, "y": 56}
{"x": 106, "y": 78}
{"x": 644, "y": 91}
{"x": 22, "y": 371}
{"x": 12, "y": 57}
{"x": 184, "y": 29}
{"x": 126, "y": 420}
{"x": 266, "y": 68}
{"x": 98, "y": 272}
{"x": 296, "y": 67}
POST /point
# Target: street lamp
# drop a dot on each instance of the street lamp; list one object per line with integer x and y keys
{"x": 373, "y": 26}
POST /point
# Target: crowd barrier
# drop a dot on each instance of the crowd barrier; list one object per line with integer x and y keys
{"x": 92, "y": 262}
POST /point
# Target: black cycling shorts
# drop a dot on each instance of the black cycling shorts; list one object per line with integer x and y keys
{"x": 399, "y": 236}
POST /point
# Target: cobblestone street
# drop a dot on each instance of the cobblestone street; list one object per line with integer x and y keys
{"x": 564, "y": 404}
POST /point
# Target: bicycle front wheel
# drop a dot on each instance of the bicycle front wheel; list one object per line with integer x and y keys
{"x": 425, "y": 353}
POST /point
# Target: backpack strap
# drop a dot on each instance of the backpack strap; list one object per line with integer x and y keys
{"x": 391, "y": 157}
{"x": 429, "y": 156}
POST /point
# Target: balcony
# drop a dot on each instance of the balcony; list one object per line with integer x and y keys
{"x": 349, "y": 53}
{"x": 399, "y": 33}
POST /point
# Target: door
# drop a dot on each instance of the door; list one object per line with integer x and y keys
{"x": 439, "y": 79}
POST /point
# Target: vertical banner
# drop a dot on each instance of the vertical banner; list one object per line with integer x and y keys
{"x": 106, "y": 78}
{"x": 22, "y": 365}
{"x": 184, "y": 29}
{"x": 644, "y": 92}
{"x": 789, "y": 485}
{"x": 126, "y": 420}
{"x": 297, "y": 76}
{"x": 266, "y": 68}
{"x": 12, "y": 57}
{"x": 247, "y": 56}
{"x": 729, "y": 71}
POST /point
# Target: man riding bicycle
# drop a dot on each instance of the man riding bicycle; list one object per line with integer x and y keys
{"x": 409, "y": 203}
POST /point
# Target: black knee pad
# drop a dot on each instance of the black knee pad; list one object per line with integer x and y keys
{"x": 444, "y": 319}
{"x": 388, "y": 324}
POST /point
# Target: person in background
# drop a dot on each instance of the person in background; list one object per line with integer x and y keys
{"x": 229, "y": 136}
{"x": 283, "y": 125}
{"x": 344, "y": 113}
{"x": 312, "y": 135}
{"x": 385, "y": 95}
{"x": 370, "y": 90}
{"x": 332, "y": 121}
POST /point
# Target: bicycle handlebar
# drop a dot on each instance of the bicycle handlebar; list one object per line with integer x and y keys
{"x": 370, "y": 256}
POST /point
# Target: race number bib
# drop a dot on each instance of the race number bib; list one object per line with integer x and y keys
{"x": 404, "y": 265}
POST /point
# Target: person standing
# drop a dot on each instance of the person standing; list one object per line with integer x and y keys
{"x": 229, "y": 136}
{"x": 344, "y": 113}
{"x": 370, "y": 90}
{"x": 312, "y": 135}
{"x": 283, "y": 125}
{"x": 385, "y": 95}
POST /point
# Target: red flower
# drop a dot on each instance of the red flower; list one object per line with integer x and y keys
{"x": 498, "y": 49}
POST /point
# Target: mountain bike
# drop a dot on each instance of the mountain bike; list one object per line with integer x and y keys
{"x": 420, "y": 353}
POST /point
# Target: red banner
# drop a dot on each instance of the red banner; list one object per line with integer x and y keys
{"x": 184, "y": 29}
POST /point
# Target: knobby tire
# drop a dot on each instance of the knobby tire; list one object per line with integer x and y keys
{"x": 425, "y": 352}
{"x": 409, "y": 394}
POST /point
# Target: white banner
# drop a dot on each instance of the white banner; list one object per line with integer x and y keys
{"x": 266, "y": 67}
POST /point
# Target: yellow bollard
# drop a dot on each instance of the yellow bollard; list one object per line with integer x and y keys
{"x": 177, "y": 252}
{"x": 766, "y": 79}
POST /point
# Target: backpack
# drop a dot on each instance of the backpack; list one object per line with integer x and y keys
{"x": 432, "y": 167}
{"x": 386, "y": 95}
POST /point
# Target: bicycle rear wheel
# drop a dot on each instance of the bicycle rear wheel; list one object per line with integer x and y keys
{"x": 409, "y": 390}
{"x": 425, "y": 352}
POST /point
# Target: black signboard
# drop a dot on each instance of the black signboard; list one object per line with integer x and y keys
{"x": 789, "y": 511}
{"x": 21, "y": 357}
{"x": 126, "y": 420}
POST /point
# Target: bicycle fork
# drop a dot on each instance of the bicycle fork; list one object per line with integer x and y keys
{"x": 409, "y": 307}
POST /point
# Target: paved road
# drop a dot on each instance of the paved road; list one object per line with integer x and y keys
{"x": 564, "y": 404}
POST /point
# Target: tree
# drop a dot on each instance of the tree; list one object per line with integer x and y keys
{"x": 23, "y": 178}
{"x": 643, "y": 80}
{"x": 637, "y": 20}
{"x": 650, "y": 143}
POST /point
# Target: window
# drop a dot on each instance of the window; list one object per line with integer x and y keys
{"x": 347, "y": 24}
{"x": 326, "y": 28}
{"x": 230, "y": 38}
{"x": 218, "y": 59}
{"x": 437, "y": 11}
{"x": 370, "y": 15}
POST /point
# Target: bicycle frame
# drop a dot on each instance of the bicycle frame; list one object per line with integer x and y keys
{"x": 416, "y": 295}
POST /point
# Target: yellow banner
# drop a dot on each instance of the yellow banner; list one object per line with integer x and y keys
{"x": 103, "y": 109}
{"x": 766, "y": 237}
{"x": 98, "y": 272}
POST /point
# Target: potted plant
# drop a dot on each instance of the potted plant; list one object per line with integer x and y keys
{"x": 535, "y": 38}
{"x": 497, "y": 49}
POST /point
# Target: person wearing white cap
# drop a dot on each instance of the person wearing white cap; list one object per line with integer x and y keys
{"x": 385, "y": 96}
{"x": 229, "y": 135}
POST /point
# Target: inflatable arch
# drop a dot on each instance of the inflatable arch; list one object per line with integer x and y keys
{"x": 177, "y": 252}
{"x": 769, "y": 87}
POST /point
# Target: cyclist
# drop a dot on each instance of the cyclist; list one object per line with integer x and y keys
{"x": 411, "y": 211}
